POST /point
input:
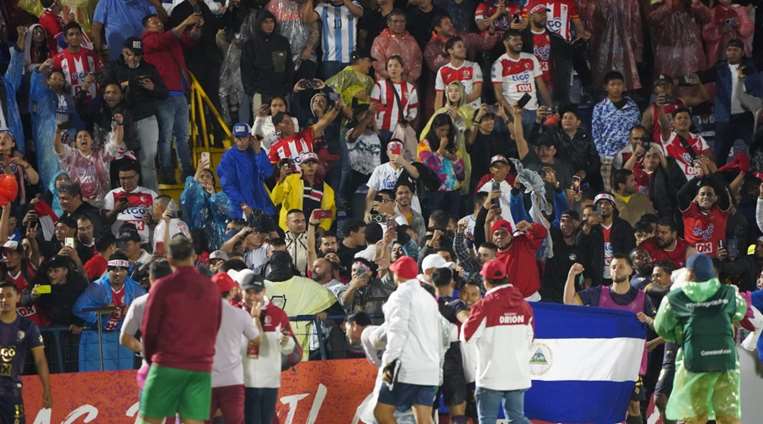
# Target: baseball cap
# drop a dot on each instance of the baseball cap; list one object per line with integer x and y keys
{"x": 129, "y": 235}
{"x": 501, "y": 224}
{"x": 241, "y": 130}
{"x": 12, "y": 245}
{"x": 405, "y": 267}
{"x": 434, "y": 261}
{"x": 494, "y": 270}
{"x": 701, "y": 266}
{"x": 499, "y": 158}
{"x": 536, "y": 7}
{"x": 604, "y": 196}
{"x": 135, "y": 45}
{"x": 307, "y": 157}
{"x": 247, "y": 279}
{"x": 218, "y": 254}
{"x": 224, "y": 282}
{"x": 361, "y": 54}
{"x": 663, "y": 79}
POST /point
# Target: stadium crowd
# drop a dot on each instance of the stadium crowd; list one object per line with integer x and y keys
{"x": 396, "y": 171}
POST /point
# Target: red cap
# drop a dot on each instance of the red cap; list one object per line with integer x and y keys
{"x": 536, "y": 7}
{"x": 501, "y": 224}
{"x": 224, "y": 282}
{"x": 405, "y": 267}
{"x": 494, "y": 270}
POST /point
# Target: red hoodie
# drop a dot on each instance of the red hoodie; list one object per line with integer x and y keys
{"x": 520, "y": 260}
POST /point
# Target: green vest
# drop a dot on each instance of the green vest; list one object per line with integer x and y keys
{"x": 708, "y": 342}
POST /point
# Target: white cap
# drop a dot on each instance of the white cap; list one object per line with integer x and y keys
{"x": 435, "y": 261}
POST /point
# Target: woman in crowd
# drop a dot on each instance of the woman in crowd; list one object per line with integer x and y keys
{"x": 439, "y": 152}
{"x": 263, "y": 124}
{"x": 90, "y": 165}
{"x": 202, "y": 207}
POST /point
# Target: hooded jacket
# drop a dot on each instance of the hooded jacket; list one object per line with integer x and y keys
{"x": 580, "y": 152}
{"x": 242, "y": 176}
{"x": 142, "y": 102}
{"x": 266, "y": 62}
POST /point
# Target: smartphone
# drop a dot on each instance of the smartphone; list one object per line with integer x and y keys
{"x": 522, "y": 102}
{"x": 42, "y": 289}
{"x": 576, "y": 182}
{"x": 69, "y": 242}
{"x": 321, "y": 214}
{"x": 205, "y": 158}
{"x": 495, "y": 186}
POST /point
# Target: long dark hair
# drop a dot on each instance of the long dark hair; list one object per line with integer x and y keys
{"x": 441, "y": 120}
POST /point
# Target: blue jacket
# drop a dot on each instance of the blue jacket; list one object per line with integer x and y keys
{"x": 115, "y": 356}
{"x": 722, "y": 105}
{"x": 45, "y": 105}
{"x": 242, "y": 175}
{"x": 12, "y": 82}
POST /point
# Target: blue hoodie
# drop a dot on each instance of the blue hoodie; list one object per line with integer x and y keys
{"x": 242, "y": 174}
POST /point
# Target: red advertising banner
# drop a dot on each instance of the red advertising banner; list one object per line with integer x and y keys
{"x": 312, "y": 392}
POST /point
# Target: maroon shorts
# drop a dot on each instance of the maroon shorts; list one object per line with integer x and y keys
{"x": 230, "y": 401}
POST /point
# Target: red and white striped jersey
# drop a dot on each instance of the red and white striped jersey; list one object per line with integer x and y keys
{"x": 76, "y": 66}
{"x": 291, "y": 147}
{"x": 559, "y": 17}
{"x": 468, "y": 73}
{"x": 388, "y": 111}
{"x": 517, "y": 77}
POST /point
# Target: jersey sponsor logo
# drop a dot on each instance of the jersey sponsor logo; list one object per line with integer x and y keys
{"x": 703, "y": 233}
{"x": 511, "y": 318}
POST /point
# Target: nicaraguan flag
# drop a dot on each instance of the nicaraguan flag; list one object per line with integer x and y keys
{"x": 584, "y": 365}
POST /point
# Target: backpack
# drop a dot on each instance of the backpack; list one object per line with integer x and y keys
{"x": 708, "y": 342}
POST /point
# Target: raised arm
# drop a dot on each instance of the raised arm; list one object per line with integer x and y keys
{"x": 570, "y": 294}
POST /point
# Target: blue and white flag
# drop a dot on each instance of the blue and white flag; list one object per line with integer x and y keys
{"x": 585, "y": 363}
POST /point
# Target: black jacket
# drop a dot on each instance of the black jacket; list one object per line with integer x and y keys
{"x": 141, "y": 102}
{"x": 580, "y": 152}
{"x": 266, "y": 64}
{"x": 663, "y": 188}
{"x": 561, "y": 63}
{"x": 592, "y": 247}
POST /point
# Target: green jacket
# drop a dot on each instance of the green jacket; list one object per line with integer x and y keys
{"x": 699, "y": 316}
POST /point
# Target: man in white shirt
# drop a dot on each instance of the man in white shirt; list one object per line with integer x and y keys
{"x": 386, "y": 175}
{"x": 412, "y": 359}
{"x": 458, "y": 69}
{"x": 500, "y": 325}
{"x": 129, "y": 203}
{"x": 262, "y": 363}
{"x": 517, "y": 73}
{"x": 499, "y": 169}
{"x": 227, "y": 367}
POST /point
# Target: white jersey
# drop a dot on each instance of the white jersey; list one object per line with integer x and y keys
{"x": 469, "y": 73}
{"x": 517, "y": 78}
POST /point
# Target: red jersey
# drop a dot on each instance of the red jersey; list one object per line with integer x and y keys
{"x": 705, "y": 229}
{"x": 76, "y": 66}
{"x": 676, "y": 256}
{"x": 687, "y": 152}
{"x": 95, "y": 267}
{"x": 668, "y": 110}
{"x": 292, "y": 146}
{"x": 542, "y": 52}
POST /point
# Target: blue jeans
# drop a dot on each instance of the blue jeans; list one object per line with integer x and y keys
{"x": 173, "y": 121}
{"x": 513, "y": 402}
{"x": 528, "y": 121}
{"x": 260, "y": 405}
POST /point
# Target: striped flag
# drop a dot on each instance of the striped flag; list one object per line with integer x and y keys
{"x": 584, "y": 364}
